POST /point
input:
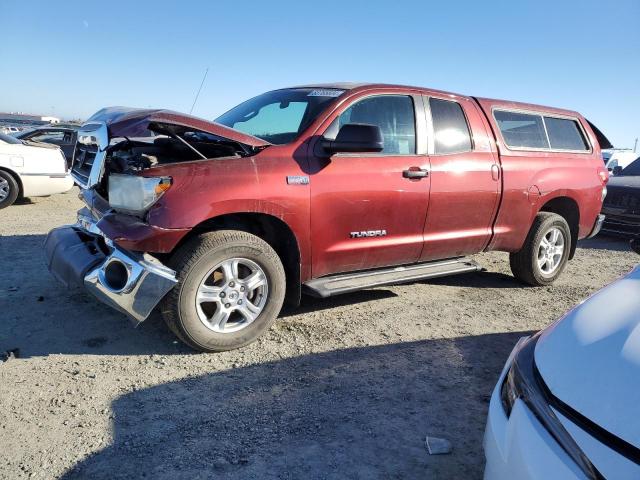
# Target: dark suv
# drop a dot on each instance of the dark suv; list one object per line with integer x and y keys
{"x": 64, "y": 136}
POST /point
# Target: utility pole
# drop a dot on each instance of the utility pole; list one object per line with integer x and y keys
{"x": 635, "y": 144}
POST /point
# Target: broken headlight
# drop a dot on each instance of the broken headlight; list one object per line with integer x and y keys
{"x": 524, "y": 382}
{"x": 135, "y": 194}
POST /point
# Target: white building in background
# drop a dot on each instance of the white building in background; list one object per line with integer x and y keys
{"x": 23, "y": 119}
{"x": 51, "y": 119}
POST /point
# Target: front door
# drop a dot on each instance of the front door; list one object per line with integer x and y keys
{"x": 366, "y": 210}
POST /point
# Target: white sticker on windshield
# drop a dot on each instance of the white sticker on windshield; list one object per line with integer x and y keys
{"x": 322, "y": 92}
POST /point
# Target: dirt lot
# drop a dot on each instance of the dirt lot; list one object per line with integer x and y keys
{"x": 341, "y": 388}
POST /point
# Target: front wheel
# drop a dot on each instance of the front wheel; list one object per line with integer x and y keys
{"x": 231, "y": 289}
{"x": 545, "y": 252}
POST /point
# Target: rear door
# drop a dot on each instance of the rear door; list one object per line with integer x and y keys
{"x": 465, "y": 179}
{"x": 364, "y": 212}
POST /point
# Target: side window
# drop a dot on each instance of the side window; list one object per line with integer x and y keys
{"x": 565, "y": 134}
{"x": 49, "y": 137}
{"x": 521, "y": 130}
{"x": 395, "y": 116}
{"x": 450, "y": 129}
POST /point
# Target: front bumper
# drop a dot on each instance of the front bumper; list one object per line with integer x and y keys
{"x": 519, "y": 446}
{"x": 79, "y": 256}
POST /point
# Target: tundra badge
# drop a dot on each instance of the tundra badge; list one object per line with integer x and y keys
{"x": 368, "y": 233}
{"x": 297, "y": 180}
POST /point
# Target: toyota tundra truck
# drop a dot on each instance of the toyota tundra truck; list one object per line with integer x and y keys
{"x": 323, "y": 190}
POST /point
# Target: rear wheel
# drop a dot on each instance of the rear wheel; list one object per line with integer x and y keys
{"x": 9, "y": 189}
{"x": 545, "y": 252}
{"x": 231, "y": 289}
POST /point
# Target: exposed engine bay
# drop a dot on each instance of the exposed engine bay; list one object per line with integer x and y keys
{"x": 170, "y": 144}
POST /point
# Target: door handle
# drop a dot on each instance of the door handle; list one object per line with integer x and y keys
{"x": 415, "y": 172}
{"x": 495, "y": 172}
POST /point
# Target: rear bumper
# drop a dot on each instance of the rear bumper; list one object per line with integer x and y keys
{"x": 41, "y": 185}
{"x": 597, "y": 226}
{"x": 625, "y": 226}
{"x": 129, "y": 282}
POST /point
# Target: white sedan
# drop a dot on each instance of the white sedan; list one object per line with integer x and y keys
{"x": 567, "y": 404}
{"x": 29, "y": 169}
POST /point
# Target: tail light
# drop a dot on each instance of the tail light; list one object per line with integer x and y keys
{"x": 603, "y": 173}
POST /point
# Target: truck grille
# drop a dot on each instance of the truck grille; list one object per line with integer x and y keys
{"x": 89, "y": 154}
{"x": 628, "y": 200}
{"x": 83, "y": 160}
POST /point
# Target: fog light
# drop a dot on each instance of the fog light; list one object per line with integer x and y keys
{"x": 116, "y": 275}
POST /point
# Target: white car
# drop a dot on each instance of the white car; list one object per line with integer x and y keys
{"x": 567, "y": 404}
{"x": 618, "y": 158}
{"x": 9, "y": 130}
{"x": 29, "y": 169}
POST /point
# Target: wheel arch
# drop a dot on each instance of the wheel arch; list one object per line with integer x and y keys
{"x": 272, "y": 230}
{"x": 568, "y": 209}
{"x": 17, "y": 178}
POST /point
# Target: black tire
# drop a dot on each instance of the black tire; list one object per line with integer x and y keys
{"x": 193, "y": 261}
{"x": 14, "y": 189}
{"x": 524, "y": 264}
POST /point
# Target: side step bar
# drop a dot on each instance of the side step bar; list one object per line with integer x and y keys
{"x": 350, "y": 282}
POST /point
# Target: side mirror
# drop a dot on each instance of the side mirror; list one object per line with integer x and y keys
{"x": 635, "y": 244}
{"x": 617, "y": 170}
{"x": 355, "y": 138}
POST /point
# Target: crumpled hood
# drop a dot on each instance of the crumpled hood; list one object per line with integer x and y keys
{"x": 590, "y": 359}
{"x": 133, "y": 122}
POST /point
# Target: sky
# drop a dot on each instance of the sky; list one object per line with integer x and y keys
{"x": 69, "y": 59}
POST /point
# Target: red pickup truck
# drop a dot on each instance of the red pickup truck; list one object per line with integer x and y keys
{"x": 323, "y": 189}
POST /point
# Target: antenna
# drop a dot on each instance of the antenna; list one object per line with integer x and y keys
{"x": 199, "y": 89}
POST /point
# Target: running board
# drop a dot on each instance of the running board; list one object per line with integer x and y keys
{"x": 350, "y": 282}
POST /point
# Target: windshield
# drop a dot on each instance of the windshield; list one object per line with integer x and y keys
{"x": 633, "y": 169}
{"x": 279, "y": 116}
{"x": 9, "y": 139}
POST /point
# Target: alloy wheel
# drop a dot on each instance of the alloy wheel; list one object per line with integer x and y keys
{"x": 232, "y": 295}
{"x": 551, "y": 250}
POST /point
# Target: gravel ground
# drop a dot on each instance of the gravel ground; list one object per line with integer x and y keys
{"x": 341, "y": 388}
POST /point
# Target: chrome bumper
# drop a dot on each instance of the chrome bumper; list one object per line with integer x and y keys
{"x": 131, "y": 283}
{"x": 597, "y": 226}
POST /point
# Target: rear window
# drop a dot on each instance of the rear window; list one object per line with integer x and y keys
{"x": 521, "y": 130}
{"x": 450, "y": 129}
{"x": 565, "y": 134}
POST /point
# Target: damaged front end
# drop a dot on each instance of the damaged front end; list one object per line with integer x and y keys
{"x": 116, "y": 152}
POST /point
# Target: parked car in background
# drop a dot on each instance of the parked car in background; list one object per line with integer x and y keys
{"x": 617, "y": 159}
{"x": 64, "y": 136}
{"x": 567, "y": 403}
{"x": 7, "y": 130}
{"x": 622, "y": 203}
{"x": 30, "y": 170}
{"x": 325, "y": 189}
